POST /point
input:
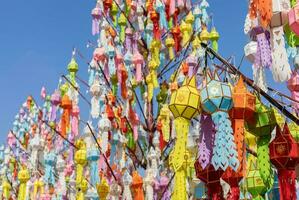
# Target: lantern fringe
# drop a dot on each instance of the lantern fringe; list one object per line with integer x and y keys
{"x": 263, "y": 160}
{"x": 224, "y": 139}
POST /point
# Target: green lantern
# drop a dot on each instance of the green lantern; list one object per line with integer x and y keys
{"x": 264, "y": 120}
{"x": 263, "y": 124}
{"x": 254, "y": 183}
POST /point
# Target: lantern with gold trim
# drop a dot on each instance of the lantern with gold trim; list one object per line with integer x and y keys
{"x": 23, "y": 177}
{"x": 284, "y": 152}
{"x": 216, "y": 99}
{"x": 184, "y": 105}
{"x": 244, "y": 106}
{"x": 211, "y": 177}
{"x": 103, "y": 189}
{"x": 262, "y": 126}
{"x": 80, "y": 160}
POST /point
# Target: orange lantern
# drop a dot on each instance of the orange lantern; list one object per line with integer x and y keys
{"x": 244, "y": 107}
{"x": 66, "y": 105}
{"x": 137, "y": 186}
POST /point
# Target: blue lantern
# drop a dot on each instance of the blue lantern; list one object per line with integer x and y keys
{"x": 216, "y": 99}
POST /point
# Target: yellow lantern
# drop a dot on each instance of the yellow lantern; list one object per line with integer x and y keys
{"x": 184, "y": 105}
{"x": 103, "y": 189}
{"x": 6, "y": 187}
{"x": 204, "y": 35}
{"x": 23, "y": 177}
{"x": 80, "y": 160}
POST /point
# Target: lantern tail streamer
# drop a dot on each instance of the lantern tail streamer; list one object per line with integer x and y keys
{"x": 224, "y": 139}
{"x": 259, "y": 78}
{"x": 280, "y": 66}
{"x": 263, "y": 160}
{"x": 287, "y": 183}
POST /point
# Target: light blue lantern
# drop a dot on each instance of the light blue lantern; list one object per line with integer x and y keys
{"x": 93, "y": 156}
{"x": 216, "y": 99}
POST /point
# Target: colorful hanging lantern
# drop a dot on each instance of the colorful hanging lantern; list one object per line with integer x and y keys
{"x": 211, "y": 177}
{"x": 80, "y": 160}
{"x": 137, "y": 186}
{"x": 23, "y": 177}
{"x": 184, "y": 105}
{"x": 243, "y": 110}
{"x": 262, "y": 126}
{"x": 216, "y": 99}
{"x": 293, "y": 86}
{"x": 294, "y": 19}
{"x": 96, "y": 15}
{"x": 214, "y": 37}
{"x": 66, "y": 105}
{"x": 284, "y": 152}
{"x": 254, "y": 183}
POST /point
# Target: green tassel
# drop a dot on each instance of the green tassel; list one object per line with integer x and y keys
{"x": 263, "y": 159}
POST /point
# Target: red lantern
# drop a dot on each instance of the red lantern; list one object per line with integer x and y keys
{"x": 284, "y": 154}
{"x": 212, "y": 179}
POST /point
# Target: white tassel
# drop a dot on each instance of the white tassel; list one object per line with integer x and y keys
{"x": 127, "y": 181}
{"x": 259, "y": 77}
{"x": 104, "y": 141}
{"x": 95, "y": 107}
{"x": 281, "y": 69}
{"x": 148, "y": 184}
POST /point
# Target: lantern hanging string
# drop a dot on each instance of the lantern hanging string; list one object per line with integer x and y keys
{"x": 250, "y": 83}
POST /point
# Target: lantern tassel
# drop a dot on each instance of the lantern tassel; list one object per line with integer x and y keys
{"x": 263, "y": 160}
{"x": 280, "y": 66}
{"x": 224, "y": 139}
{"x": 287, "y": 183}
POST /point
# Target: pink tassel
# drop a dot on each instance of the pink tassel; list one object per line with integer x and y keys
{"x": 95, "y": 27}
{"x": 180, "y": 4}
{"x": 11, "y": 140}
{"x": 172, "y": 7}
{"x": 75, "y": 120}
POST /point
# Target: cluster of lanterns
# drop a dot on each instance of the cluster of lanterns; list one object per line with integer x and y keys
{"x": 199, "y": 135}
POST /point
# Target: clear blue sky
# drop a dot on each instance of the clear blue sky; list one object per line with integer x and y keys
{"x": 36, "y": 39}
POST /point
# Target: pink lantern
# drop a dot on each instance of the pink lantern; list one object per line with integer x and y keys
{"x": 294, "y": 19}
{"x": 293, "y": 85}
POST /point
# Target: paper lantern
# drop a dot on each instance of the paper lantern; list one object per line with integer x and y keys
{"x": 184, "y": 104}
{"x": 254, "y": 182}
{"x": 264, "y": 120}
{"x": 293, "y": 86}
{"x": 262, "y": 126}
{"x": 294, "y": 19}
{"x": 284, "y": 152}
{"x": 80, "y": 160}
{"x": 137, "y": 186}
{"x": 23, "y": 177}
{"x": 66, "y": 105}
{"x": 212, "y": 179}
{"x": 216, "y": 99}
